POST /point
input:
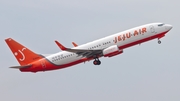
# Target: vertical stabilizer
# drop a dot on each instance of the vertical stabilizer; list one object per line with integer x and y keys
{"x": 23, "y": 55}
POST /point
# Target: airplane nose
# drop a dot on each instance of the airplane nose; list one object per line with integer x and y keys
{"x": 168, "y": 26}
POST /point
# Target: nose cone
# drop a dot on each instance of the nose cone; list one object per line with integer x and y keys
{"x": 168, "y": 26}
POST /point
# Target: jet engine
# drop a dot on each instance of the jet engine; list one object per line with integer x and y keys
{"x": 112, "y": 51}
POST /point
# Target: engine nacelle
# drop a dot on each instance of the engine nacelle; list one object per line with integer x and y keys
{"x": 112, "y": 51}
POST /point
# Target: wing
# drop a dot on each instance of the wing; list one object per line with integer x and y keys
{"x": 81, "y": 52}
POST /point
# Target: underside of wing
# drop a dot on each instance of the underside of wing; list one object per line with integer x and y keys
{"x": 86, "y": 53}
{"x": 81, "y": 52}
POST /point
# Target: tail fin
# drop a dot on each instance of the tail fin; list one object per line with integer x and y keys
{"x": 23, "y": 55}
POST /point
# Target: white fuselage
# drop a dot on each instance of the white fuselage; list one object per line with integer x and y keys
{"x": 120, "y": 39}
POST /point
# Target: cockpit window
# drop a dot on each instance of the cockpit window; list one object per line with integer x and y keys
{"x": 161, "y": 24}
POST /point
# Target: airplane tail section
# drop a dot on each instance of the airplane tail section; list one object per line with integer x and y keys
{"x": 23, "y": 55}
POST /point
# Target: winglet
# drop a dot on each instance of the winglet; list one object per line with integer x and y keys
{"x": 74, "y": 44}
{"x": 60, "y": 45}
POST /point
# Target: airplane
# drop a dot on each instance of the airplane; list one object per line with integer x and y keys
{"x": 105, "y": 47}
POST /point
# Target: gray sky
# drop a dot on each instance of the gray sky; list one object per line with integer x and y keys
{"x": 149, "y": 72}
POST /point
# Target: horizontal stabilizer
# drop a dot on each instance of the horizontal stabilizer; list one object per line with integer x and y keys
{"x": 19, "y": 67}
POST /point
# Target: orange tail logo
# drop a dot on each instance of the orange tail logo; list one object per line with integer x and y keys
{"x": 23, "y": 55}
{"x": 21, "y": 52}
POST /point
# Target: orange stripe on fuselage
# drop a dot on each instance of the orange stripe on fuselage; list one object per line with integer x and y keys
{"x": 38, "y": 65}
{"x": 143, "y": 40}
